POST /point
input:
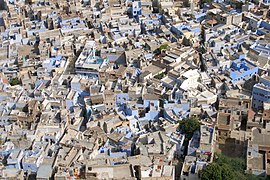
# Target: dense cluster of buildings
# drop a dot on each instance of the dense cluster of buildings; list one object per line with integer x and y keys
{"x": 95, "y": 89}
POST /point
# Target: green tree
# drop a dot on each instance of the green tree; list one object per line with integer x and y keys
{"x": 163, "y": 46}
{"x": 238, "y": 164}
{"x": 212, "y": 172}
{"x": 160, "y": 76}
{"x": 188, "y": 126}
{"x": 230, "y": 169}
{"x": 227, "y": 173}
{"x": 14, "y": 81}
{"x": 207, "y": 1}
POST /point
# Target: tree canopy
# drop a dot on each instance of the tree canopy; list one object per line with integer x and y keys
{"x": 207, "y": 1}
{"x": 226, "y": 168}
{"x": 14, "y": 81}
{"x": 163, "y": 46}
{"x": 160, "y": 76}
{"x": 212, "y": 172}
{"x": 188, "y": 126}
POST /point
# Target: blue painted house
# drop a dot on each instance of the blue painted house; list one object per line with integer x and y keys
{"x": 136, "y": 8}
{"x": 261, "y": 93}
{"x": 175, "y": 112}
{"x": 151, "y": 104}
{"x": 241, "y": 69}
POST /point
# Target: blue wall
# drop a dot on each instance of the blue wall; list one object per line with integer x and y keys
{"x": 242, "y": 69}
{"x": 260, "y": 95}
